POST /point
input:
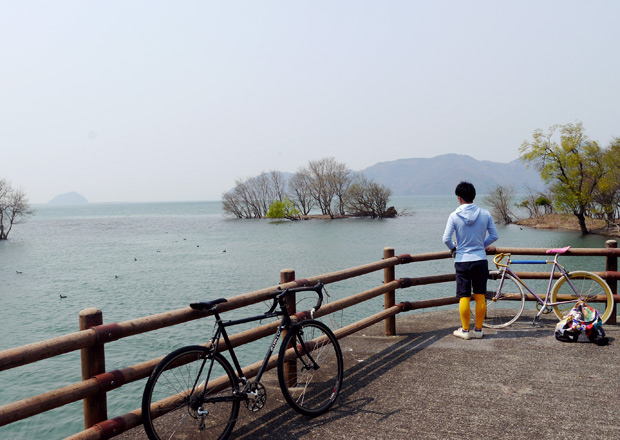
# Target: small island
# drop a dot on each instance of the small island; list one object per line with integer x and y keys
{"x": 71, "y": 198}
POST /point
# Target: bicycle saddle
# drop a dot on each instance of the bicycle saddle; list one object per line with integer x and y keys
{"x": 207, "y": 305}
{"x": 558, "y": 251}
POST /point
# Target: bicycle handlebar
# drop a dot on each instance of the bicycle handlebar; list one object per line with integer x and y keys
{"x": 498, "y": 260}
{"x": 318, "y": 288}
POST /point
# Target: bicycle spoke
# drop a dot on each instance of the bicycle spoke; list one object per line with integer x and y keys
{"x": 312, "y": 386}
{"x": 174, "y": 406}
{"x": 590, "y": 288}
{"x": 505, "y": 307}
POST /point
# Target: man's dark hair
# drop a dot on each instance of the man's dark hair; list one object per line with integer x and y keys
{"x": 466, "y": 191}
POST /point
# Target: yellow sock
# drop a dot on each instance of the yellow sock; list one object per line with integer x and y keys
{"x": 481, "y": 309}
{"x": 465, "y": 311}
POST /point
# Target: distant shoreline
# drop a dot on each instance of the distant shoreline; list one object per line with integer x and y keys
{"x": 569, "y": 222}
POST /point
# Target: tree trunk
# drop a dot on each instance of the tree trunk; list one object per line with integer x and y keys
{"x": 582, "y": 223}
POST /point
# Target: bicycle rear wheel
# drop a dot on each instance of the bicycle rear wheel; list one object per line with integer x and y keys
{"x": 172, "y": 405}
{"x": 310, "y": 372}
{"x": 593, "y": 290}
{"x": 505, "y": 307}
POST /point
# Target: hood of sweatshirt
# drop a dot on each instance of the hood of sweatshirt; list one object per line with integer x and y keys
{"x": 468, "y": 212}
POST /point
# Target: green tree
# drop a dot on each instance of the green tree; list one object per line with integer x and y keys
{"x": 534, "y": 201}
{"x": 572, "y": 168}
{"x": 544, "y": 202}
{"x": 607, "y": 196}
{"x": 283, "y": 209}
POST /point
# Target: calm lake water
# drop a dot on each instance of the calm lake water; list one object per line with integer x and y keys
{"x": 134, "y": 260}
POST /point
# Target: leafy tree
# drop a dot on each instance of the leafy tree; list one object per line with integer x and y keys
{"x": 544, "y": 202}
{"x": 534, "y": 201}
{"x": 572, "y": 168}
{"x": 283, "y": 209}
{"x": 500, "y": 200}
{"x": 14, "y": 208}
{"x": 607, "y": 195}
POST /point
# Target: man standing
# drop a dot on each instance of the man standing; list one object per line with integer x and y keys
{"x": 470, "y": 224}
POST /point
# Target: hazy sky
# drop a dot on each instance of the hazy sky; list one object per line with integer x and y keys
{"x": 175, "y": 100}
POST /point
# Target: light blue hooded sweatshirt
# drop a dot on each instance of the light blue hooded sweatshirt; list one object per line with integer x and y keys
{"x": 470, "y": 224}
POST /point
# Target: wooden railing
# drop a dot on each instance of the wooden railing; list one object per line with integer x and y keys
{"x": 94, "y": 334}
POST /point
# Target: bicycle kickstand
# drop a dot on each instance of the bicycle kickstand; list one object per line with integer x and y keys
{"x": 537, "y": 321}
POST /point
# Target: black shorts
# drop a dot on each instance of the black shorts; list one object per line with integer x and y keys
{"x": 471, "y": 274}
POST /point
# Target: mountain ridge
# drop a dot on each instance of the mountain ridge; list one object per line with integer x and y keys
{"x": 439, "y": 175}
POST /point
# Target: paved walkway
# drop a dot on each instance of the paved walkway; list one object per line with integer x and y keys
{"x": 515, "y": 383}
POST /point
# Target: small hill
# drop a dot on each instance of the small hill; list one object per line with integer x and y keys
{"x": 440, "y": 175}
{"x": 71, "y": 198}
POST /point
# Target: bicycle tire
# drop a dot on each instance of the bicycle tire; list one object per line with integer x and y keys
{"x": 589, "y": 286}
{"x": 169, "y": 407}
{"x": 311, "y": 382}
{"x": 506, "y": 307}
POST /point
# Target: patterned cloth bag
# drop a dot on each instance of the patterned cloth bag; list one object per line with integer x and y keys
{"x": 581, "y": 318}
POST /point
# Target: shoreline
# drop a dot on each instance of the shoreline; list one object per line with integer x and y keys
{"x": 570, "y": 223}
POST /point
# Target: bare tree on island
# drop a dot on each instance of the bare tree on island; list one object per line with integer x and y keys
{"x": 251, "y": 198}
{"x": 500, "y": 200}
{"x": 368, "y": 199}
{"x": 324, "y": 183}
{"x": 328, "y": 181}
{"x": 299, "y": 187}
{"x": 14, "y": 208}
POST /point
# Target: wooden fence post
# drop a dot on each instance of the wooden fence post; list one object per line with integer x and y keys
{"x": 93, "y": 363}
{"x": 611, "y": 265}
{"x": 290, "y": 367}
{"x": 389, "y": 298}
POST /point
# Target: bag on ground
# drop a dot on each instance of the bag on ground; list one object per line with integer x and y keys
{"x": 581, "y": 318}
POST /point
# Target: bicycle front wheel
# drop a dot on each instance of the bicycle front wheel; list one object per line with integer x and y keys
{"x": 174, "y": 405}
{"x": 591, "y": 289}
{"x": 503, "y": 307}
{"x": 310, "y": 368}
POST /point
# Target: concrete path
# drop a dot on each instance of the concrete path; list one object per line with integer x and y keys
{"x": 515, "y": 383}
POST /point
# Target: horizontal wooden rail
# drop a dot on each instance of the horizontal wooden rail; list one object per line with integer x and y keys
{"x": 18, "y": 356}
{"x": 99, "y": 335}
{"x": 589, "y": 252}
{"x": 134, "y": 418}
{"x": 106, "y": 382}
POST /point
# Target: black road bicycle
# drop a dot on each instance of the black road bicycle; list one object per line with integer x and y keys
{"x": 195, "y": 393}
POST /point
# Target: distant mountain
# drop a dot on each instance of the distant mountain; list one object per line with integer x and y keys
{"x": 68, "y": 199}
{"x": 440, "y": 175}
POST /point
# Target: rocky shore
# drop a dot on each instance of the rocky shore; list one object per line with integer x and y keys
{"x": 569, "y": 222}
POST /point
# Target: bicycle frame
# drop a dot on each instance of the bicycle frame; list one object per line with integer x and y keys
{"x": 285, "y": 323}
{"x": 546, "y": 302}
{"x": 207, "y": 387}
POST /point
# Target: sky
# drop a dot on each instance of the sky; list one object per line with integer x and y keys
{"x": 141, "y": 101}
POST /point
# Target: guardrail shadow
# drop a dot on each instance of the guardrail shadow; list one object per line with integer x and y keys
{"x": 282, "y": 422}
